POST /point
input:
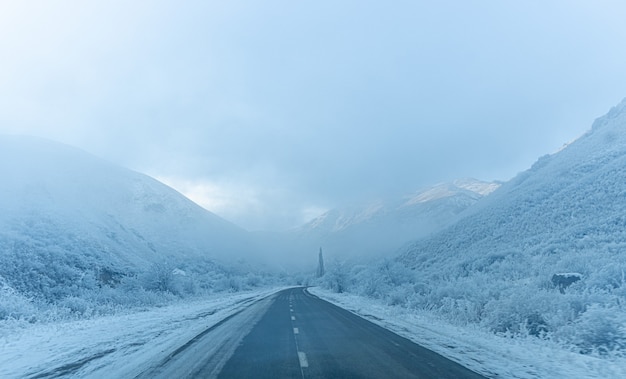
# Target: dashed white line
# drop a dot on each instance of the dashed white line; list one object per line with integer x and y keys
{"x": 303, "y": 361}
{"x": 301, "y": 355}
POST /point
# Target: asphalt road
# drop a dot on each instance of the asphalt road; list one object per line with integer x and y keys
{"x": 302, "y": 336}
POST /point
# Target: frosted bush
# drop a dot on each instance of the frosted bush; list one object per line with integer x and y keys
{"x": 55, "y": 284}
{"x": 337, "y": 277}
{"x": 229, "y": 284}
{"x": 609, "y": 277}
{"x": 76, "y": 305}
{"x": 14, "y": 305}
{"x": 399, "y": 295}
{"x": 601, "y": 329}
{"x": 253, "y": 280}
{"x": 160, "y": 278}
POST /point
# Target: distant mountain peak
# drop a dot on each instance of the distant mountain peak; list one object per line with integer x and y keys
{"x": 443, "y": 190}
{"x": 381, "y": 227}
{"x": 477, "y": 186}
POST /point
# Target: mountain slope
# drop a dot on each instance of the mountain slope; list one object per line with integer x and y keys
{"x": 379, "y": 228}
{"x": 572, "y": 202}
{"x": 66, "y": 214}
{"x": 544, "y": 253}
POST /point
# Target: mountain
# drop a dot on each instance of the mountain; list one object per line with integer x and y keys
{"x": 66, "y": 214}
{"x": 546, "y": 252}
{"x": 568, "y": 205}
{"x": 380, "y": 228}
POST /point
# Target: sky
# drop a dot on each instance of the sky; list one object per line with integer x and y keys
{"x": 270, "y": 112}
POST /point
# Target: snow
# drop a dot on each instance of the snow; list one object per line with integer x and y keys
{"x": 488, "y": 354}
{"x": 128, "y": 345}
{"x": 495, "y": 270}
{"x": 444, "y": 190}
{"x": 81, "y": 235}
{"x": 117, "y": 346}
{"x": 480, "y": 187}
{"x": 379, "y": 228}
{"x": 494, "y": 266}
{"x": 57, "y": 195}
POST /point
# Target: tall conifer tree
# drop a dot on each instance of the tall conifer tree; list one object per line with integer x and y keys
{"x": 320, "y": 265}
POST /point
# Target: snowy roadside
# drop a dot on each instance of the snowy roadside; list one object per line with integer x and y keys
{"x": 119, "y": 346}
{"x": 485, "y": 353}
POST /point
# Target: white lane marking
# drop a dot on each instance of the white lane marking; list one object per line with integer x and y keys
{"x": 293, "y": 318}
{"x": 291, "y": 310}
{"x": 303, "y": 361}
{"x": 296, "y": 331}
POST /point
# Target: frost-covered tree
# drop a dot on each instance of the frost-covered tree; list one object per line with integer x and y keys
{"x": 337, "y": 277}
{"x": 160, "y": 277}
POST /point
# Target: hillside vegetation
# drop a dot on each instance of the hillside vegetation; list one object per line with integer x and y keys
{"x": 80, "y": 235}
{"x": 544, "y": 255}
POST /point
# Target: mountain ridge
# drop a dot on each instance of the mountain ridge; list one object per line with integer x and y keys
{"x": 379, "y": 228}
{"x": 67, "y": 213}
{"x": 502, "y": 265}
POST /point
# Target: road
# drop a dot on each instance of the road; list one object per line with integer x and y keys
{"x": 294, "y": 334}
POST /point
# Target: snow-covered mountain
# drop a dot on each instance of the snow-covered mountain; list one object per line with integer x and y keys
{"x": 380, "y": 228}
{"x": 546, "y": 252}
{"x": 570, "y": 206}
{"x": 65, "y": 213}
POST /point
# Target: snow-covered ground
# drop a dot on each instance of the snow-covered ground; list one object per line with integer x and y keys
{"x": 491, "y": 355}
{"x": 118, "y": 346}
{"x": 128, "y": 344}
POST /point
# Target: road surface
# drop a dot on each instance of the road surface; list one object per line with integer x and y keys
{"x": 294, "y": 334}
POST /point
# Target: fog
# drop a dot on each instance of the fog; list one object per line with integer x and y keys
{"x": 270, "y": 113}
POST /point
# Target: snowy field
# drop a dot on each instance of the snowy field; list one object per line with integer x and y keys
{"x": 120, "y": 346}
{"x": 488, "y": 354}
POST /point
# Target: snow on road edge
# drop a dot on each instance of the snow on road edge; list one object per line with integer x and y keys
{"x": 485, "y": 353}
{"x": 113, "y": 346}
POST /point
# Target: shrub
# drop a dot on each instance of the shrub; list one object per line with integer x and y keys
{"x": 14, "y": 305}
{"x": 601, "y": 329}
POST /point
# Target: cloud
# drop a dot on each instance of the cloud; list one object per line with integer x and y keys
{"x": 269, "y": 111}
{"x": 251, "y": 207}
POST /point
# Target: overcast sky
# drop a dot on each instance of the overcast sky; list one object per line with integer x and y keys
{"x": 270, "y": 112}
